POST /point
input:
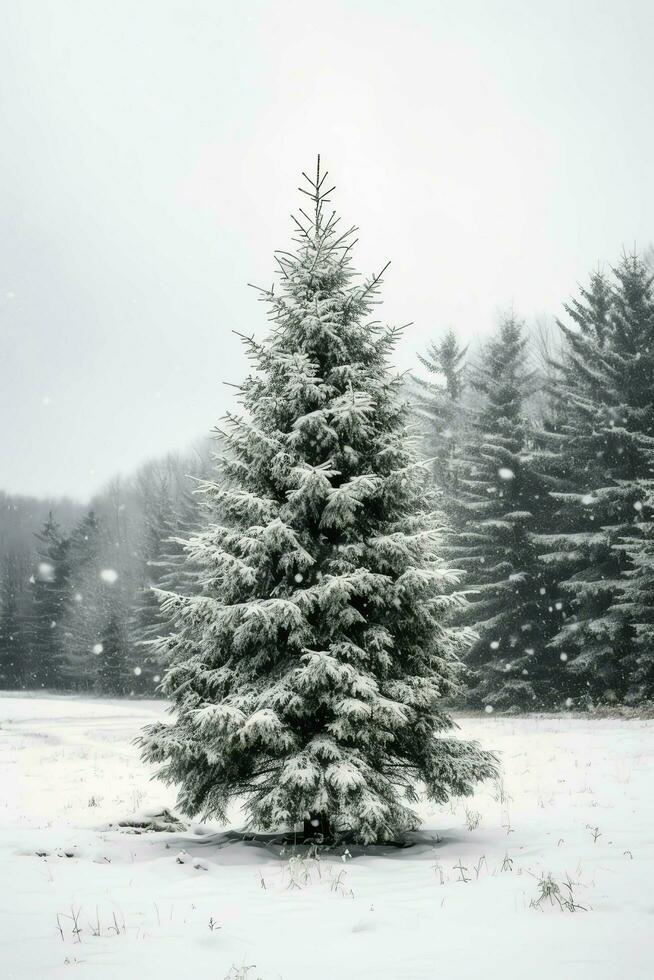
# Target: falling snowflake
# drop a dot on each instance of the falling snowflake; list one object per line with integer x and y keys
{"x": 46, "y": 571}
{"x": 137, "y": 671}
{"x": 638, "y": 505}
{"x": 588, "y": 499}
{"x": 109, "y": 575}
{"x": 156, "y": 678}
{"x": 299, "y": 577}
{"x": 563, "y": 657}
{"x": 98, "y": 648}
{"x": 488, "y": 709}
{"x": 495, "y": 645}
{"x": 568, "y": 702}
{"x": 505, "y": 473}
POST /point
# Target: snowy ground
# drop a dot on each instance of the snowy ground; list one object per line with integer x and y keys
{"x": 576, "y": 803}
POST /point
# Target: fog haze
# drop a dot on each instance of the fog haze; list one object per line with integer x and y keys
{"x": 495, "y": 152}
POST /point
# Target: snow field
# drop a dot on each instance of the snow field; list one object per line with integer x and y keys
{"x": 575, "y": 803}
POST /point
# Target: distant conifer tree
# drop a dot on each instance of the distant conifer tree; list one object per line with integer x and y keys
{"x": 51, "y": 592}
{"x": 498, "y": 500}
{"x": 439, "y": 403}
{"x": 603, "y": 446}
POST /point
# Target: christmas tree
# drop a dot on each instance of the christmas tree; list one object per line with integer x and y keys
{"x": 307, "y": 678}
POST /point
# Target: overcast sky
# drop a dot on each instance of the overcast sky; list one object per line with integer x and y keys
{"x": 494, "y": 151}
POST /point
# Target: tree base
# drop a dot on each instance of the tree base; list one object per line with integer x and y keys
{"x": 317, "y": 828}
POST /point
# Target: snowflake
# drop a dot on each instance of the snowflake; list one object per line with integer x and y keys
{"x": 495, "y": 645}
{"x": 505, "y": 473}
{"x": 109, "y": 575}
{"x": 46, "y": 571}
{"x": 563, "y": 657}
{"x": 488, "y": 709}
{"x": 137, "y": 671}
{"x": 98, "y": 648}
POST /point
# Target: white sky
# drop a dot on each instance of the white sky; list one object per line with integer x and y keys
{"x": 494, "y": 151}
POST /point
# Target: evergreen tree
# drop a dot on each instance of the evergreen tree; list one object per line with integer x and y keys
{"x": 447, "y": 361}
{"x": 439, "y": 403}
{"x": 51, "y": 592}
{"x": 308, "y": 675}
{"x": 169, "y": 520}
{"x": 496, "y": 504}
{"x": 85, "y": 614}
{"x": 603, "y": 445}
{"x": 14, "y": 646}
{"x": 159, "y": 528}
{"x": 113, "y": 673}
{"x": 635, "y": 603}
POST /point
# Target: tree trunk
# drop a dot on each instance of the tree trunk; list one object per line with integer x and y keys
{"x": 317, "y": 827}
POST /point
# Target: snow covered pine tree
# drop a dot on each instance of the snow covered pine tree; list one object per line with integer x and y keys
{"x": 497, "y": 500}
{"x": 604, "y": 447}
{"x": 440, "y": 405}
{"x": 307, "y": 677}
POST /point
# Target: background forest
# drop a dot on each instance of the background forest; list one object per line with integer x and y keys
{"x": 540, "y": 442}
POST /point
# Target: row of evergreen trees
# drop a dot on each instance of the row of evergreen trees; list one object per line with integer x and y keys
{"x": 547, "y": 515}
{"x": 550, "y": 517}
{"x": 78, "y": 612}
